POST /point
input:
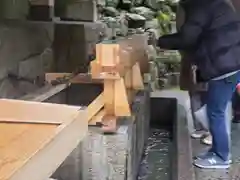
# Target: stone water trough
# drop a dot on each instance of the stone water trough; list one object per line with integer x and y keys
{"x": 119, "y": 156}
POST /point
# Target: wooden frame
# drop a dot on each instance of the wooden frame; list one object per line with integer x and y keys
{"x": 117, "y": 67}
{"x": 37, "y": 137}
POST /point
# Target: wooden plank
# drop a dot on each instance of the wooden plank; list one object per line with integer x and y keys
{"x": 85, "y": 79}
{"x": 35, "y": 151}
{"x": 49, "y": 158}
{"x": 35, "y": 112}
{"x": 95, "y": 107}
{"x": 18, "y": 141}
{"x": 23, "y": 121}
{"x": 78, "y": 79}
{"x": 49, "y": 77}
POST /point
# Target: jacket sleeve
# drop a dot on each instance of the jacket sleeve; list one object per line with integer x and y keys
{"x": 189, "y": 33}
{"x": 180, "y": 17}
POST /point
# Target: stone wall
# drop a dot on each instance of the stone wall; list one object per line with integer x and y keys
{"x": 25, "y": 50}
{"x": 76, "y": 9}
{"x": 29, "y": 50}
{"x": 13, "y": 9}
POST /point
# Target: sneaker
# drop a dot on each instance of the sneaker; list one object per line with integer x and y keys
{"x": 207, "y": 140}
{"x": 212, "y": 162}
{"x": 207, "y": 154}
{"x": 198, "y": 134}
{"x": 204, "y": 155}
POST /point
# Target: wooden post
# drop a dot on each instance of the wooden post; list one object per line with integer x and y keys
{"x": 109, "y": 119}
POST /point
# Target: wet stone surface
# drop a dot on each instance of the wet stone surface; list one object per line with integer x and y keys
{"x": 155, "y": 164}
{"x": 231, "y": 174}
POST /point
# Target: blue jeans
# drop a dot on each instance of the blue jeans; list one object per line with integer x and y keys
{"x": 219, "y": 93}
{"x": 197, "y": 100}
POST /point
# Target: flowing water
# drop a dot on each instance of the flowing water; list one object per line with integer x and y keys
{"x": 156, "y": 163}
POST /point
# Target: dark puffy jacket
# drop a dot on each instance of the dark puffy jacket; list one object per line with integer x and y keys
{"x": 212, "y": 33}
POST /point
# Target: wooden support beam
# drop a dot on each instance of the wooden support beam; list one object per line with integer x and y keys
{"x": 95, "y": 107}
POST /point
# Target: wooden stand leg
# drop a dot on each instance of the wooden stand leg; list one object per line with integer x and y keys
{"x": 109, "y": 124}
{"x": 128, "y": 79}
{"x": 137, "y": 79}
{"x": 116, "y": 104}
{"x": 122, "y": 106}
{"x": 133, "y": 81}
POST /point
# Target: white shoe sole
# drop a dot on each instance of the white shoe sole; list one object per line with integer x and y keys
{"x": 197, "y": 158}
{"x": 206, "y": 142}
{"x": 213, "y": 167}
{"x": 197, "y": 136}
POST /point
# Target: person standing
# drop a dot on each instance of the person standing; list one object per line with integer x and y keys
{"x": 236, "y": 105}
{"x": 212, "y": 33}
{"x": 236, "y": 96}
{"x": 196, "y": 91}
